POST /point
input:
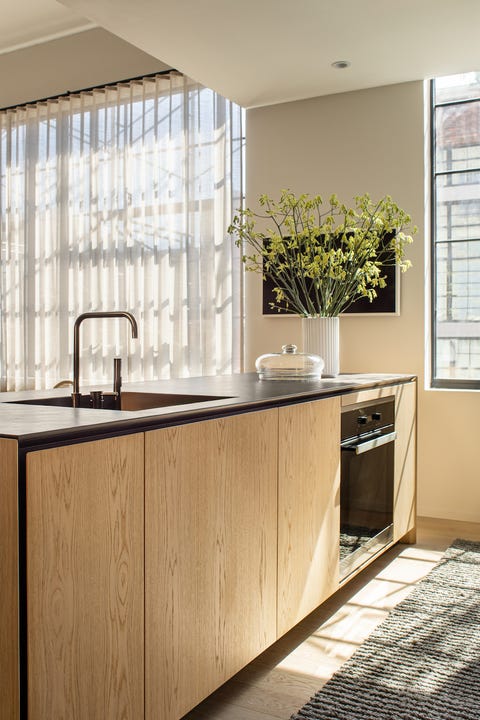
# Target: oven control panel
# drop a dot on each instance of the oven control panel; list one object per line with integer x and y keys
{"x": 368, "y": 418}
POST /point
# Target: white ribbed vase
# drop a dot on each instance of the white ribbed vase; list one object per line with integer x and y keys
{"x": 321, "y": 335}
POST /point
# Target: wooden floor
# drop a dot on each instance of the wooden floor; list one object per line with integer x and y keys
{"x": 284, "y": 677}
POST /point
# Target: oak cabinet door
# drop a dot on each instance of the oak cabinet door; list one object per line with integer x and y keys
{"x": 308, "y": 508}
{"x": 210, "y": 555}
{"x": 85, "y": 590}
{"x": 404, "y": 503}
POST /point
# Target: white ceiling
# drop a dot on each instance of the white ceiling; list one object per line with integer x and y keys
{"x": 259, "y": 52}
{"x": 29, "y": 22}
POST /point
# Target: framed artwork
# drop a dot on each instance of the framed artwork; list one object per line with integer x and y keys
{"x": 387, "y": 301}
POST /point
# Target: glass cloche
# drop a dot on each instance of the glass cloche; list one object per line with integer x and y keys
{"x": 289, "y": 365}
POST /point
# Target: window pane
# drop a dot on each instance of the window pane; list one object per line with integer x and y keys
{"x": 457, "y": 87}
{"x": 457, "y": 327}
{"x": 458, "y": 282}
{"x": 458, "y": 358}
{"x": 457, "y": 129}
{"x": 457, "y": 213}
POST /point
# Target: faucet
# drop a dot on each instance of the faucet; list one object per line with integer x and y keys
{"x": 76, "y": 394}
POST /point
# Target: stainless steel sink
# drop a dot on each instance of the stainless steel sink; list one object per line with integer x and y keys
{"x": 130, "y": 401}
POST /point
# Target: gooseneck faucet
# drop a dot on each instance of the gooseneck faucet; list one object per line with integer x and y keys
{"x": 76, "y": 395}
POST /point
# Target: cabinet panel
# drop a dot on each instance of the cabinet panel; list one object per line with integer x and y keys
{"x": 85, "y": 590}
{"x": 211, "y": 506}
{"x": 404, "y": 504}
{"x": 309, "y": 508}
{"x": 9, "y": 651}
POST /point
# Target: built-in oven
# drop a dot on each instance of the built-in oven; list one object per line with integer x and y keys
{"x": 366, "y": 481}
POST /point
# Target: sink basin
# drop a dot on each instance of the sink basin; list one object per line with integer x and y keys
{"x": 145, "y": 401}
{"x": 130, "y": 401}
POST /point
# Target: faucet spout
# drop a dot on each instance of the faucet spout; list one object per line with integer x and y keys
{"x": 76, "y": 395}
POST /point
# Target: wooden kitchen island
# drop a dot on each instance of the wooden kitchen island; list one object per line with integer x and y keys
{"x": 148, "y": 555}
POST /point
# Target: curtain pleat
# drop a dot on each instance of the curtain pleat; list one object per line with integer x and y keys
{"x": 119, "y": 198}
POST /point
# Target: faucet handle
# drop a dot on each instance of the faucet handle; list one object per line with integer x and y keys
{"x": 117, "y": 375}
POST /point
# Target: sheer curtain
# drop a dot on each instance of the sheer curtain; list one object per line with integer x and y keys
{"x": 119, "y": 198}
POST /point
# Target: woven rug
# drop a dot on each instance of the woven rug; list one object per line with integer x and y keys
{"x": 423, "y": 661}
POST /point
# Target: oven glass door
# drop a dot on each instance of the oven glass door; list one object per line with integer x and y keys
{"x": 366, "y": 500}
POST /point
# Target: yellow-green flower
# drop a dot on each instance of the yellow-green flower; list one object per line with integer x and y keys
{"x": 321, "y": 260}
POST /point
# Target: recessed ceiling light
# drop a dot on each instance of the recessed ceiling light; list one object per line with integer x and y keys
{"x": 341, "y": 64}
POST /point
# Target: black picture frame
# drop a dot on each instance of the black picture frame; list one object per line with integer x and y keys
{"x": 386, "y": 303}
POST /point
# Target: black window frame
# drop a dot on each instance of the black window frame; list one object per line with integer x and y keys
{"x": 435, "y": 382}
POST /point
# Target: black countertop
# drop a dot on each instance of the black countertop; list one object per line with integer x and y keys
{"x": 33, "y": 425}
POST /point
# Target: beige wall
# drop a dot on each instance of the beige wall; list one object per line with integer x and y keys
{"x": 83, "y": 60}
{"x": 371, "y": 140}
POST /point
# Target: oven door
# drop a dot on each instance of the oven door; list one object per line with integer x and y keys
{"x": 366, "y": 498}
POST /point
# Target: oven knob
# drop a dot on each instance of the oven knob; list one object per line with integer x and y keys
{"x": 376, "y": 416}
{"x": 362, "y": 419}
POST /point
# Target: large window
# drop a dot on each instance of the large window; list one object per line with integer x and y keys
{"x": 119, "y": 198}
{"x": 456, "y": 231}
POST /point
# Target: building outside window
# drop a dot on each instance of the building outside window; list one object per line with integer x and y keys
{"x": 456, "y": 231}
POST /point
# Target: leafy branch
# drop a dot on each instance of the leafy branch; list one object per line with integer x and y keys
{"x": 320, "y": 261}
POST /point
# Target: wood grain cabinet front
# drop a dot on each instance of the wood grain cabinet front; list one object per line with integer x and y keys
{"x": 404, "y": 507}
{"x": 308, "y": 508}
{"x": 159, "y": 564}
{"x": 85, "y": 591}
{"x": 210, "y": 555}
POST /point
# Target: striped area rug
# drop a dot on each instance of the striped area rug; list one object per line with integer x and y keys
{"x": 423, "y": 661}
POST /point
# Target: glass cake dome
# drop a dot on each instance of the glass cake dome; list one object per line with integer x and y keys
{"x": 289, "y": 365}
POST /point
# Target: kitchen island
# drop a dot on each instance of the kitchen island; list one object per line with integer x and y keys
{"x": 149, "y": 554}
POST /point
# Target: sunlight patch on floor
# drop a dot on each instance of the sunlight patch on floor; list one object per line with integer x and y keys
{"x": 341, "y": 634}
{"x": 407, "y": 569}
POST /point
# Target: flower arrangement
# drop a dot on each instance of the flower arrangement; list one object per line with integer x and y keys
{"x": 320, "y": 261}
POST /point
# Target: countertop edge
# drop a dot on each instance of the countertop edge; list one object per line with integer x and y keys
{"x": 150, "y": 420}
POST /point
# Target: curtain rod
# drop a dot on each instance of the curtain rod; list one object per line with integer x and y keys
{"x": 88, "y": 89}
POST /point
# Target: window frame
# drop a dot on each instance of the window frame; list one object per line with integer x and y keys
{"x": 436, "y": 382}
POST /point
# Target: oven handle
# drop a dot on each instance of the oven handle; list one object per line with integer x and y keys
{"x": 362, "y": 447}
